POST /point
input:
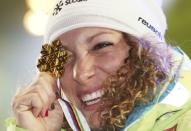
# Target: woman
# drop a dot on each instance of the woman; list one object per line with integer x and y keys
{"x": 118, "y": 71}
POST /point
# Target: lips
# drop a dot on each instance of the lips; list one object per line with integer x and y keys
{"x": 92, "y": 98}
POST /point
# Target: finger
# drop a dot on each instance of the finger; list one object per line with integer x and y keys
{"x": 48, "y": 78}
{"x": 55, "y": 105}
{"x": 50, "y": 87}
{"x": 49, "y": 84}
{"x": 55, "y": 116}
{"x": 50, "y": 92}
{"x": 29, "y": 102}
{"x": 45, "y": 99}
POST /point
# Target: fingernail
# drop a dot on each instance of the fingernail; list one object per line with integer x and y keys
{"x": 52, "y": 106}
{"x": 46, "y": 113}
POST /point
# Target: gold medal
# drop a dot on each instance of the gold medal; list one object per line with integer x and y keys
{"x": 52, "y": 60}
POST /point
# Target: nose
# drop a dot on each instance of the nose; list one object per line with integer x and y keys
{"x": 84, "y": 70}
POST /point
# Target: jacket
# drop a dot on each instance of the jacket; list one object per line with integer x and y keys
{"x": 171, "y": 113}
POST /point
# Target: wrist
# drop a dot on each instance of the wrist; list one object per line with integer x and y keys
{"x": 11, "y": 125}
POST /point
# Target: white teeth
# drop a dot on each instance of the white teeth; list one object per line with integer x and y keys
{"x": 92, "y": 102}
{"x": 92, "y": 96}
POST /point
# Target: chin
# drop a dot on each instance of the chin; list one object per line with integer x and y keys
{"x": 94, "y": 121}
{"x": 89, "y": 104}
{"x": 92, "y": 116}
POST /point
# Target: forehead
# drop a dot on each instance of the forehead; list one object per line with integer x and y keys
{"x": 85, "y": 33}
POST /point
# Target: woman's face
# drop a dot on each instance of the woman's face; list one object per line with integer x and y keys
{"x": 95, "y": 54}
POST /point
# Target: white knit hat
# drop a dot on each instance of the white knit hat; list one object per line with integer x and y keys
{"x": 140, "y": 18}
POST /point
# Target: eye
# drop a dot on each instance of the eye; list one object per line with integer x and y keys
{"x": 102, "y": 45}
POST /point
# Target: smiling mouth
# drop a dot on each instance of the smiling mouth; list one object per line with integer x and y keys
{"x": 92, "y": 98}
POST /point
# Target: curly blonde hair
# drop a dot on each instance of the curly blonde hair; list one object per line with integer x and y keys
{"x": 143, "y": 73}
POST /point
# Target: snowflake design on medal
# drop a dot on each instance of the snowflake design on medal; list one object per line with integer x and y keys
{"x": 52, "y": 60}
{"x": 58, "y": 8}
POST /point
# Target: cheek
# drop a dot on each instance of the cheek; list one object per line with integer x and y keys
{"x": 112, "y": 61}
{"x": 68, "y": 85}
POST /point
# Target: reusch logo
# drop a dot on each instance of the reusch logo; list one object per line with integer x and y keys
{"x": 60, "y": 5}
{"x": 152, "y": 28}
